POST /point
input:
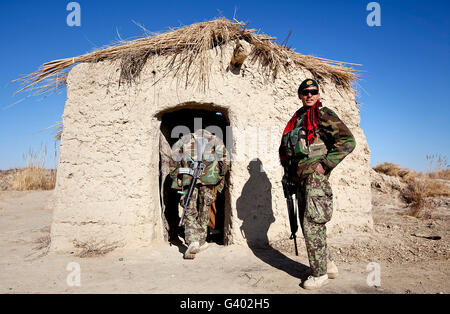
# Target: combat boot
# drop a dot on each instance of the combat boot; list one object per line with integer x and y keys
{"x": 201, "y": 248}
{"x": 315, "y": 282}
{"x": 191, "y": 250}
{"x": 332, "y": 270}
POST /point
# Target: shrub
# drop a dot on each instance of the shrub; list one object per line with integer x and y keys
{"x": 34, "y": 176}
{"x": 417, "y": 192}
{"x": 421, "y": 186}
{"x": 394, "y": 170}
{"x": 93, "y": 248}
{"x": 438, "y": 167}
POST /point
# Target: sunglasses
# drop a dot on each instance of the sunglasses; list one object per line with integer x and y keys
{"x": 305, "y": 92}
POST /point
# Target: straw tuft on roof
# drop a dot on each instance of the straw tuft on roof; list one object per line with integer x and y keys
{"x": 188, "y": 48}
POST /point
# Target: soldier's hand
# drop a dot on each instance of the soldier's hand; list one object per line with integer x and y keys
{"x": 320, "y": 169}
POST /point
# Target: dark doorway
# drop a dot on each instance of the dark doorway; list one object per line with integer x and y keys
{"x": 174, "y": 124}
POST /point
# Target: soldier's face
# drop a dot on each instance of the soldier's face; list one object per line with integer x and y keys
{"x": 307, "y": 97}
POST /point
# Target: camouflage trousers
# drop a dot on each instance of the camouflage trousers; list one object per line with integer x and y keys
{"x": 196, "y": 217}
{"x": 315, "y": 208}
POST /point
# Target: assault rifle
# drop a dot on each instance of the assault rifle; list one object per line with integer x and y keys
{"x": 195, "y": 171}
{"x": 289, "y": 189}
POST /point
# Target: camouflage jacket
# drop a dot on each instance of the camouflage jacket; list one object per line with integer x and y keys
{"x": 215, "y": 158}
{"x": 333, "y": 143}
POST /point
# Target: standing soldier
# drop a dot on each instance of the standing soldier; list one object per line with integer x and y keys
{"x": 211, "y": 180}
{"x": 315, "y": 141}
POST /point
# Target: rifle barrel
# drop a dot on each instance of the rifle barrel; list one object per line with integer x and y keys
{"x": 295, "y": 244}
{"x": 291, "y": 206}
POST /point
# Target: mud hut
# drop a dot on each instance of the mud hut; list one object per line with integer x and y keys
{"x": 125, "y": 101}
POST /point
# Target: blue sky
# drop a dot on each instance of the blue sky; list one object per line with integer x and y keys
{"x": 404, "y": 103}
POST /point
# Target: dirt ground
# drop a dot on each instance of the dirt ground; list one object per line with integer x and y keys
{"x": 413, "y": 255}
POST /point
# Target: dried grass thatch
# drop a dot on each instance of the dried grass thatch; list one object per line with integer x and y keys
{"x": 188, "y": 47}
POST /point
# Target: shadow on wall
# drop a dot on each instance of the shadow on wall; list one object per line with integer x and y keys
{"x": 254, "y": 208}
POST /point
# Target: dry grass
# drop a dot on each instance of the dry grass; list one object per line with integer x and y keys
{"x": 441, "y": 174}
{"x": 415, "y": 195}
{"x": 394, "y": 170}
{"x": 188, "y": 49}
{"x": 438, "y": 167}
{"x": 418, "y": 194}
{"x": 43, "y": 243}
{"x": 421, "y": 186}
{"x": 42, "y": 248}
{"x": 34, "y": 176}
{"x": 93, "y": 248}
{"x": 436, "y": 171}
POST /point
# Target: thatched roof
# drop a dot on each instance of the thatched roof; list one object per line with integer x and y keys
{"x": 188, "y": 46}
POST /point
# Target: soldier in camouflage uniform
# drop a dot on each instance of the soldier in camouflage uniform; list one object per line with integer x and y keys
{"x": 315, "y": 141}
{"x": 211, "y": 181}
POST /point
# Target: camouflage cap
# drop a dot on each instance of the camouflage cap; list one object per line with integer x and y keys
{"x": 307, "y": 83}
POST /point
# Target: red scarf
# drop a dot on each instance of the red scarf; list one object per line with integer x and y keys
{"x": 310, "y": 122}
{"x": 291, "y": 124}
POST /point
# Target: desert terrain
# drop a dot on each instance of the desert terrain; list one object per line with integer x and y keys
{"x": 412, "y": 254}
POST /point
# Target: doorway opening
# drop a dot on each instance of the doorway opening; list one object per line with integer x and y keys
{"x": 190, "y": 119}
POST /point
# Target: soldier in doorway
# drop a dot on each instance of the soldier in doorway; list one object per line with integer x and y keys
{"x": 211, "y": 180}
